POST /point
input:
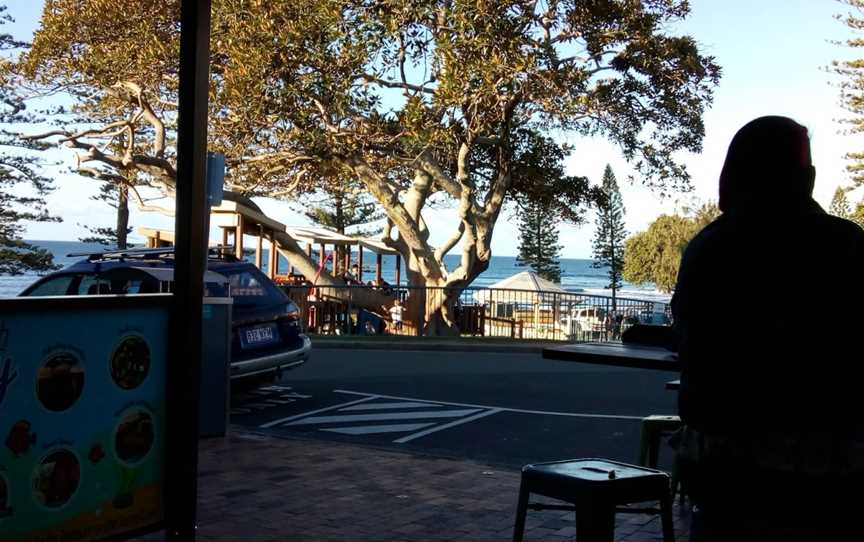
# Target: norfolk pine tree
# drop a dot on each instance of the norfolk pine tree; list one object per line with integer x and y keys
{"x": 538, "y": 240}
{"x": 116, "y": 196}
{"x": 346, "y": 208}
{"x": 610, "y": 233}
{"x": 19, "y": 168}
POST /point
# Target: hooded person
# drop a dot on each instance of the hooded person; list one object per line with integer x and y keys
{"x": 765, "y": 311}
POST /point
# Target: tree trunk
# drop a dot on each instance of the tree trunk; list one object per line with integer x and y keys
{"x": 431, "y": 305}
{"x": 122, "y": 215}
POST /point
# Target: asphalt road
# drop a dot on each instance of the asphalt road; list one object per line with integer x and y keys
{"x": 508, "y": 409}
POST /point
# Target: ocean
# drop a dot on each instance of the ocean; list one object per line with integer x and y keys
{"x": 576, "y": 274}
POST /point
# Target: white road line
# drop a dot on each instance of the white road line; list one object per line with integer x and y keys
{"x": 280, "y": 401}
{"x": 258, "y": 405}
{"x": 334, "y": 407}
{"x": 431, "y": 430}
{"x": 372, "y": 429}
{"x": 294, "y": 395}
{"x": 503, "y": 409}
{"x": 383, "y": 417}
{"x": 277, "y": 388}
{"x": 398, "y": 404}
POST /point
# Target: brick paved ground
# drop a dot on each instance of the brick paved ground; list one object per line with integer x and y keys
{"x": 261, "y": 489}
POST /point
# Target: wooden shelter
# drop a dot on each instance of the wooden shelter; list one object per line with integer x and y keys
{"x": 236, "y": 220}
{"x": 377, "y": 247}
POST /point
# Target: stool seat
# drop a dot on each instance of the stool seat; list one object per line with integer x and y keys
{"x": 595, "y": 478}
{"x": 594, "y": 487}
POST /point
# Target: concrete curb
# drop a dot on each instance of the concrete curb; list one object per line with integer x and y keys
{"x": 430, "y": 345}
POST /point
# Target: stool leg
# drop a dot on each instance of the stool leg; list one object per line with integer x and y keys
{"x": 521, "y": 511}
{"x": 676, "y": 477}
{"x": 595, "y": 522}
{"x": 654, "y": 449}
{"x": 644, "y": 444}
{"x": 666, "y": 518}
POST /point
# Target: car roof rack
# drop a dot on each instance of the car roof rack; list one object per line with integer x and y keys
{"x": 221, "y": 252}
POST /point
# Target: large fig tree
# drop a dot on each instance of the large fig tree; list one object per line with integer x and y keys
{"x": 422, "y": 101}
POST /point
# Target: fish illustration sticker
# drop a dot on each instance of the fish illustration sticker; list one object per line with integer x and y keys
{"x": 96, "y": 454}
{"x": 134, "y": 437}
{"x": 60, "y": 381}
{"x": 130, "y": 362}
{"x": 20, "y": 438}
{"x": 56, "y": 479}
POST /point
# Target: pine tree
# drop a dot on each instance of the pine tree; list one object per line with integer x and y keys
{"x": 347, "y": 209}
{"x": 19, "y": 168}
{"x": 538, "y": 240}
{"x": 117, "y": 197}
{"x": 610, "y": 233}
{"x": 840, "y": 204}
{"x": 852, "y": 84}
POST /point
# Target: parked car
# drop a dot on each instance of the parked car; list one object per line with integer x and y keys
{"x": 267, "y": 335}
{"x": 582, "y": 323}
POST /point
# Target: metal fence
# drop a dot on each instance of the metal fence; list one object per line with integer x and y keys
{"x": 475, "y": 311}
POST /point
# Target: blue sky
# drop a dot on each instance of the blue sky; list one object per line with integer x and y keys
{"x": 773, "y": 54}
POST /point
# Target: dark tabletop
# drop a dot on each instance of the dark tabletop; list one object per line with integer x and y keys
{"x": 620, "y": 355}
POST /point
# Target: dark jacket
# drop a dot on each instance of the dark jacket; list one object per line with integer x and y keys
{"x": 768, "y": 308}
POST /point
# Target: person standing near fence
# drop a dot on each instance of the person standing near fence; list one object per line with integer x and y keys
{"x": 396, "y": 312}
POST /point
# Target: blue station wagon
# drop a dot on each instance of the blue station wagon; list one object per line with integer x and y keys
{"x": 267, "y": 336}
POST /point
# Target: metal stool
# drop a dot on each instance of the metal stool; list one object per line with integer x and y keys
{"x": 595, "y": 487}
{"x": 654, "y": 428}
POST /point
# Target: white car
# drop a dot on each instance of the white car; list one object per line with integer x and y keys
{"x": 581, "y": 321}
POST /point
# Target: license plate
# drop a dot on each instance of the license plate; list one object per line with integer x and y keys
{"x": 253, "y": 337}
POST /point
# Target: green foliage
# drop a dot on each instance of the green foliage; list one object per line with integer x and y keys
{"x": 858, "y": 215}
{"x": 654, "y": 256}
{"x": 538, "y": 240}
{"x": 539, "y": 178}
{"x": 346, "y": 209}
{"x": 840, "y": 204}
{"x": 610, "y": 232}
{"x": 852, "y": 84}
{"x": 305, "y": 93}
{"x": 22, "y": 186}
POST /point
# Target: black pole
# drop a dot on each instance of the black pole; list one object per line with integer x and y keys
{"x": 191, "y": 234}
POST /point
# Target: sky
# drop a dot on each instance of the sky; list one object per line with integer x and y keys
{"x": 773, "y": 54}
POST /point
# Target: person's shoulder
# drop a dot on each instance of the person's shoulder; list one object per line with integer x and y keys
{"x": 708, "y": 234}
{"x": 839, "y": 231}
{"x": 839, "y": 224}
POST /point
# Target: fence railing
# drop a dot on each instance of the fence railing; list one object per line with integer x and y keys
{"x": 475, "y": 311}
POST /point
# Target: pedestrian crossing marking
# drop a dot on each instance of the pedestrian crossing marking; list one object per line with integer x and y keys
{"x": 373, "y": 429}
{"x": 257, "y": 405}
{"x": 294, "y": 395}
{"x": 393, "y": 405}
{"x": 277, "y": 388}
{"x": 384, "y": 417}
